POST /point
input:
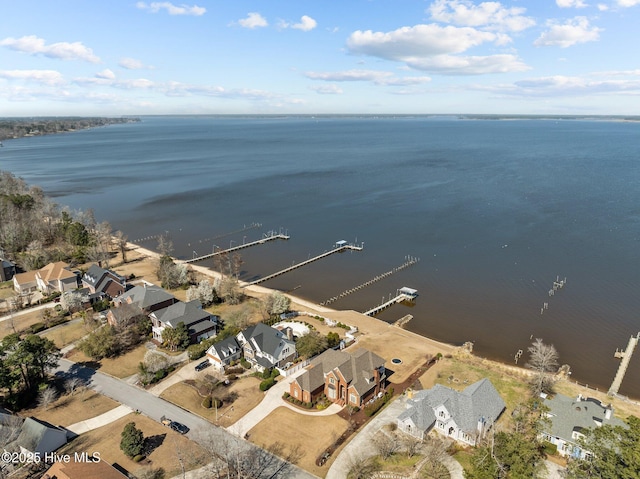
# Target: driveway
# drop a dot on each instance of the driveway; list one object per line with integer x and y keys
{"x": 201, "y": 431}
{"x": 361, "y": 446}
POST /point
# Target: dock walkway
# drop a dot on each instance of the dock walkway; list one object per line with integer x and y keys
{"x": 403, "y": 294}
{"x": 624, "y": 364}
{"x": 268, "y": 237}
{"x": 339, "y": 249}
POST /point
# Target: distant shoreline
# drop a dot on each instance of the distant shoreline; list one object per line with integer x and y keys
{"x": 15, "y": 128}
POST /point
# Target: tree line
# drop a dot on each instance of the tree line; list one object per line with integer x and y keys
{"x": 18, "y": 128}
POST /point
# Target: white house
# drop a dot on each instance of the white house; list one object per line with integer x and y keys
{"x": 465, "y": 416}
{"x": 223, "y": 352}
{"x": 569, "y": 417}
{"x": 266, "y": 347}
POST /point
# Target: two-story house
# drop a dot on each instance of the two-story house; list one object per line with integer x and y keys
{"x": 52, "y": 277}
{"x": 465, "y": 416}
{"x": 569, "y": 417}
{"x": 266, "y": 347}
{"x": 223, "y": 352}
{"x": 104, "y": 282}
{"x": 200, "y": 323}
{"x": 345, "y": 379}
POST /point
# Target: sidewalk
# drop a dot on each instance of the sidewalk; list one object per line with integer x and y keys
{"x": 99, "y": 421}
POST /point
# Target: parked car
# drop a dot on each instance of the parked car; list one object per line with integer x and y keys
{"x": 203, "y": 365}
{"x": 176, "y": 426}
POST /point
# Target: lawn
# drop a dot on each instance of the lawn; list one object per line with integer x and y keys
{"x": 66, "y": 333}
{"x": 20, "y": 322}
{"x": 170, "y": 447}
{"x": 247, "y": 390}
{"x": 458, "y": 373}
{"x": 311, "y": 435}
{"x": 121, "y": 367}
{"x": 67, "y": 410}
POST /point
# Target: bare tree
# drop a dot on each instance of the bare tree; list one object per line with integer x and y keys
{"x": 411, "y": 444}
{"x": 155, "y": 361}
{"x": 543, "y": 360}
{"x": 72, "y": 384}
{"x": 47, "y": 397}
{"x": 386, "y": 444}
{"x": 9, "y": 428}
{"x": 121, "y": 244}
{"x": 362, "y": 468}
{"x": 165, "y": 245}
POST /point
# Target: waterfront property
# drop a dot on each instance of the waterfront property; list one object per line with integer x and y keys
{"x": 465, "y": 416}
{"x": 266, "y": 347}
{"x": 49, "y": 279}
{"x": 223, "y": 352}
{"x": 148, "y": 298}
{"x": 569, "y": 417}
{"x": 344, "y": 378}
{"x": 200, "y": 323}
{"x": 104, "y": 282}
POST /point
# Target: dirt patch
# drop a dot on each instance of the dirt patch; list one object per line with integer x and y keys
{"x": 166, "y": 450}
{"x": 310, "y": 434}
{"x": 245, "y": 390}
{"x": 67, "y": 410}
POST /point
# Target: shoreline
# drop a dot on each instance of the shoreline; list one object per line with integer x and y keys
{"x": 372, "y": 328}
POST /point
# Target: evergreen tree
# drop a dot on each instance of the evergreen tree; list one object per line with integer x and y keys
{"x": 132, "y": 442}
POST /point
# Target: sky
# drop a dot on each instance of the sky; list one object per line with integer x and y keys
{"x": 116, "y": 57}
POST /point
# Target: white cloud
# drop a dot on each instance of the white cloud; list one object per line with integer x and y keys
{"x": 573, "y": 31}
{"x": 492, "y": 15}
{"x": 133, "y": 64}
{"x": 431, "y": 48}
{"x": 571, "y": 4}
{"x": 628, "y": 3}
{"x": 253, "y": 20}
{"x": 327, "y": 89}
{"x": 106, "y": 74}
{"x": 155, "y": 7}
{"x": 350, "y": 75}
{"x": 306, "y": 23}
{"x": 45, "y": 77}
{"x": 602, "y": 7}
{"x": 405, "y": 81}
{"x": 34, "y": 45}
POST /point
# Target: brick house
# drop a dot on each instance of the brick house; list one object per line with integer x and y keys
{"x": 344, "y": 378}
{"x": 103, "y": 281}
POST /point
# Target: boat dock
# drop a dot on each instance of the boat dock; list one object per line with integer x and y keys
{"x": 624, "y": 364}
{"x": 402, "y": 294}
{"x": 339, "y": 247}
{"x": 270, "y": 236}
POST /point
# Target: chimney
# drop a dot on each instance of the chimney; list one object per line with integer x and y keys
{"x": 607, "y": 412}
{"x": 289, "y": 333}
{"x": 579, "y": 398}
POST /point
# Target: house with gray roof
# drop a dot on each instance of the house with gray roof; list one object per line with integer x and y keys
{"x": 147, "y": 297}
{"x": 7, "y": 269}
{"x": 570, "y": 417}
{"x": 38, "y": 436}
{"x": 266, "y": 347}
{"x": 342, "y": 377}
{"x": 223, "y": 352}
{"x": 465, "y": 416}
{"x": 200, "y": 323}
{"x": 103, "y": 281}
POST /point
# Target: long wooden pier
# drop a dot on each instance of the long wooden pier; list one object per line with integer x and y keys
{"x": 624, "y": 364}
{"x": 340, "y": 247}
{"x": 267, "y": 237}
{"x": 403, "y": 294}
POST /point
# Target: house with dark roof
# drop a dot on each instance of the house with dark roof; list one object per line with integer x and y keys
{"x": 344, "y": 378}
{"x": 465, "y": 416}
{"x": 7, "y": 270}
{"x": 104, "y": 281}
{"x": 569, "y": 417}
{"x": 148, "y": 298}
{"x": 223, "y": 352}
{"x": 200, "y": 323}
{"x": 266, "y": 347}
{"x": 124, "y": 314}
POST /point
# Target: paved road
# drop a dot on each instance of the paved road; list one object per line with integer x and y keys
{"x": 201, "y": 431}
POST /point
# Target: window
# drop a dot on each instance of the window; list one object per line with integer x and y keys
{"x": 332, "y": 393}
{"x": 353, "y": 399}
{"x": 441, "y": 414}
{"x": 295, "y": 393}
{"x": 332, "y": 380}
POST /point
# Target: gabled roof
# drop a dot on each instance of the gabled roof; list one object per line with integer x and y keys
{"x": 83, "y": 470}
{"x": 55, "y": 271}
{"x": 24, "y": 278}
{"x": 225, "y": 348}
{"x": 574, "y": 414}
{"x": 146, "y": 296}
{"x": 33, "y": 433}
{"x": 188, "y": 313}
{"x": 266, "y": 338}
{"x": 479, "y": 401}
{"x": 125, "y": 312}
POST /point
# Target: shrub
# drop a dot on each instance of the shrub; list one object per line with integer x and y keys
{"x": 36, "y": 328}
{"x": 232, "y": 377}
{"x": 216, "y": 402}
{"x": 206, "y": 402}
{"x": 196, "y": 351}
{"x": 267, "y": 383}
{"x": 138, "y": 458}
{"x": 371, "y": 409}
{"x": 132, "y": 442}
{"x": 245, "y": 364}
{"x": 286, "y": 395}
{"x": 549, "y": 448}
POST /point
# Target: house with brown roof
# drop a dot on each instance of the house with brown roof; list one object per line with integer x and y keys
{"x": 103, "y": 281}
{"x": 25, "y": 283}
{"x": 98, "y": 469}
{"x": 56, "y": 277}
{"x": 344, "y": 378}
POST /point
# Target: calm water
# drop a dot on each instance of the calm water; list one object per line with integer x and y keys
{"x": 496, "y": 210}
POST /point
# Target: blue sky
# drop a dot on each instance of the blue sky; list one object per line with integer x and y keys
{"x": 88, "y": 57}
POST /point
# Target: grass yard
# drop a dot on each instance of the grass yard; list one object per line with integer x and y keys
{"x": 458, "y": 373}
{"x": 20, "y": 322}
{"x": 312, "y": 435}
{"x": 67, "y": 410}
{"x": 169, "y": 445}
{"x": 249, "y": 396}
{"x": 121, "y": 367}
{"x": 66, "y": 333}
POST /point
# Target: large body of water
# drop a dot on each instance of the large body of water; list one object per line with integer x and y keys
{"x": 495, "y": 210}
